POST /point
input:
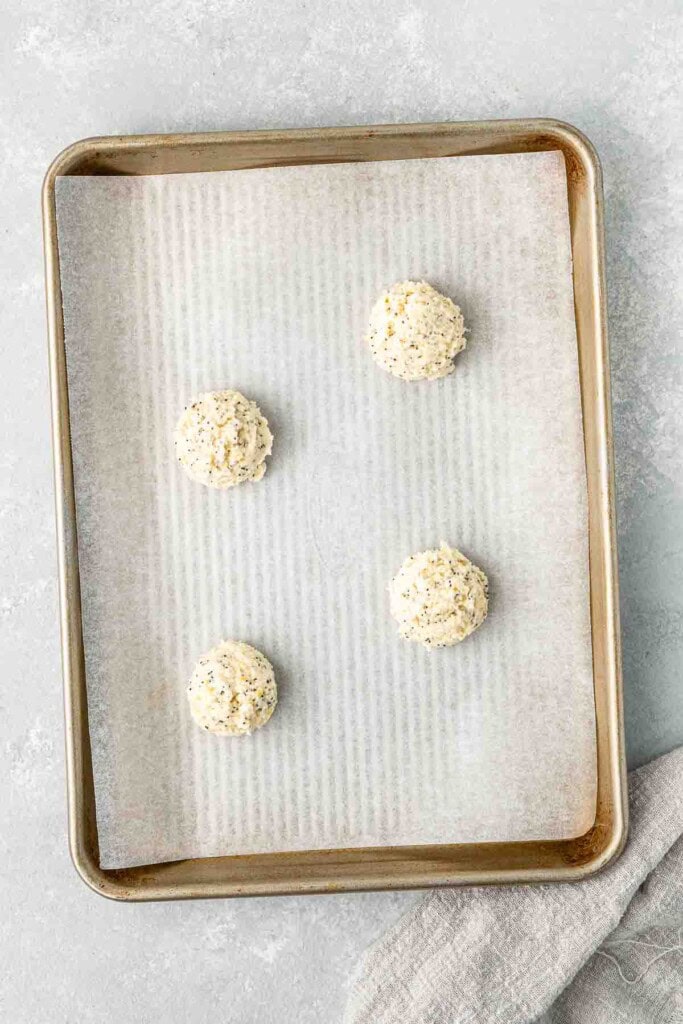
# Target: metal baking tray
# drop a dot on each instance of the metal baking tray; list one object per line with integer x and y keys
{"x": 370, "y": 868}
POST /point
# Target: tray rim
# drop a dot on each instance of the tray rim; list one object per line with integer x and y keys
{"x": 361, "y": 869}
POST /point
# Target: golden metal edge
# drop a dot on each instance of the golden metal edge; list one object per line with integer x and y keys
{"x": 85, "y": 867}
{"x": 114, "y": 884}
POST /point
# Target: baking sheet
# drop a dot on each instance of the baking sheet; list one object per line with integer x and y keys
{"x": 262, "y": 280}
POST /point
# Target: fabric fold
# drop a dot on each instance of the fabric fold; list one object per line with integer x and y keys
{"x": 505, "y": 954}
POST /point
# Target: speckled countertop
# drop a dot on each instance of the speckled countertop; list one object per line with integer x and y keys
{"x": 75, "y": 68}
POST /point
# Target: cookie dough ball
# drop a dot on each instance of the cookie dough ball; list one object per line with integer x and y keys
{"x": 415, "y": 332}
{"x": 222, "y": 439}
{"x": 232, "y": 690}
{"x": 438, "y": 597}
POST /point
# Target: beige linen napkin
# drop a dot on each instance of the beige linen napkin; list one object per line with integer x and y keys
{"x": 605, "y": 951}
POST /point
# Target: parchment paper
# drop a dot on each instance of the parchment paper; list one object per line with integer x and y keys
{"x": 262, "y": 280}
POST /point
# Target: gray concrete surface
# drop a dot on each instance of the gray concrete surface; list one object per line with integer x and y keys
{"x": 73, "y": 68}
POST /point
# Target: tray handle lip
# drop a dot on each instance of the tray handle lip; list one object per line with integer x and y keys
{"x": 116, "y": 884}
{"x": 566, "y": 135}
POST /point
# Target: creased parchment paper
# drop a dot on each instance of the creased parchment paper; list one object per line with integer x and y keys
{"x": 262, "y": 280}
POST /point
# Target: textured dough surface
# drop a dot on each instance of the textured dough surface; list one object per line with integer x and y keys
{"x": 232, "y": 690}
{"x": 438, "y": 597}
{"x": 415, "y": 332}
{"x": 222, "y": 439}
